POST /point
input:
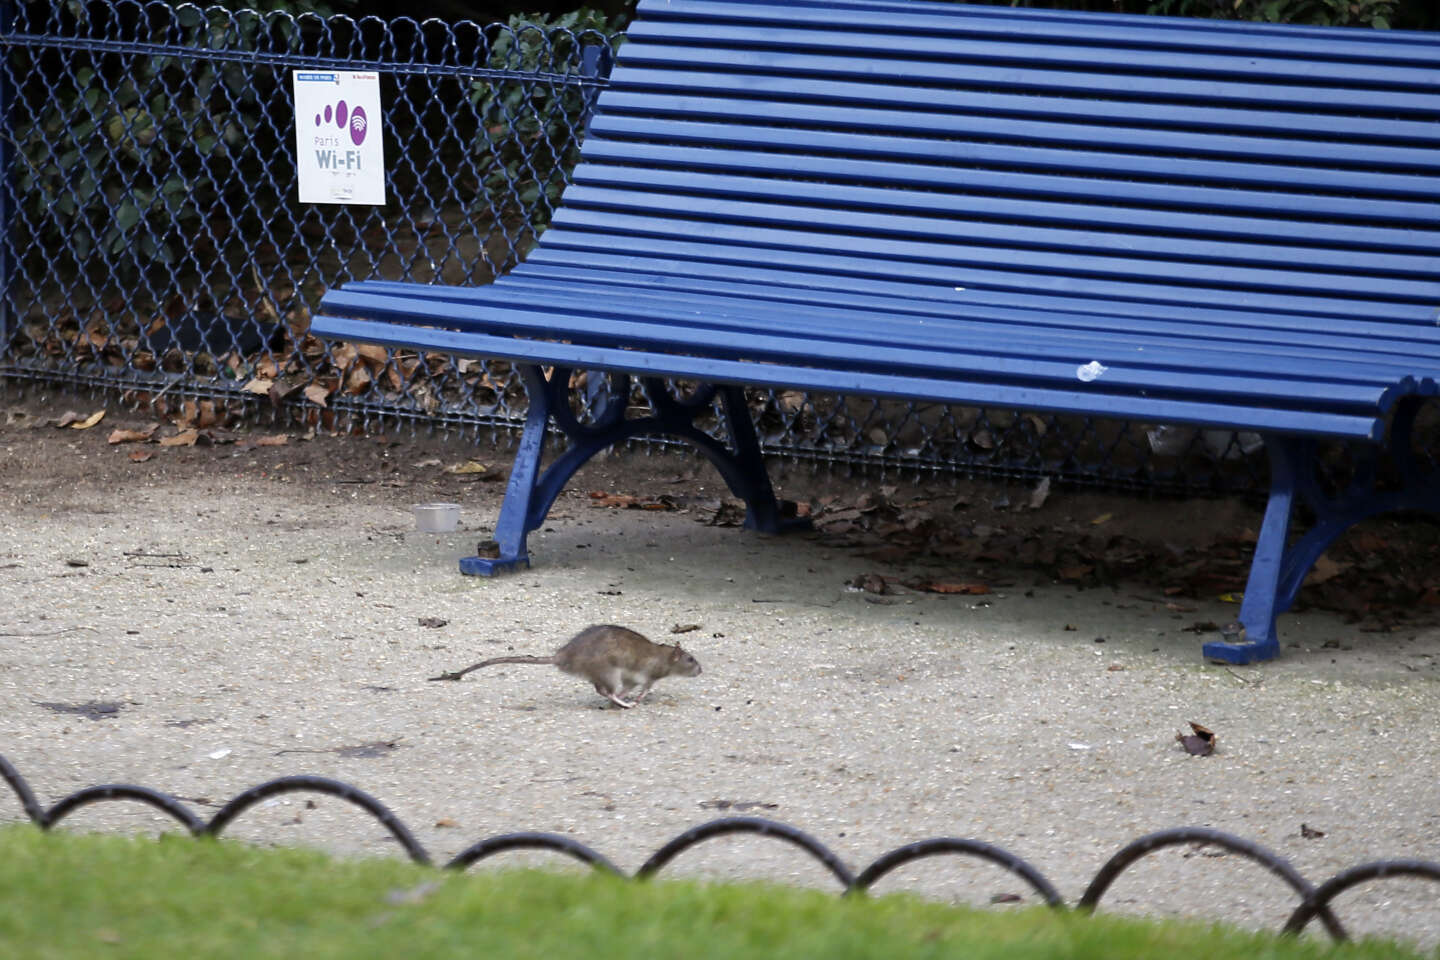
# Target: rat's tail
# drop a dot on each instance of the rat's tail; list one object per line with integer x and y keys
{"x": 485, "y": 663}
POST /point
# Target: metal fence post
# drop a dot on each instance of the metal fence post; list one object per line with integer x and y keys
{"x": 7, "y": 155}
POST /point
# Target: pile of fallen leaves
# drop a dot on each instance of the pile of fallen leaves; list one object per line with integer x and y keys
{"x": 193, "y": 423}
{"x": 1383, "y": 581}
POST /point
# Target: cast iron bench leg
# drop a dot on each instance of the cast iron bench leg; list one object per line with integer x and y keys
{"x": 1278, "y": 569}
{"x": 517, "y": 514}
{"x": 530, "y": 493}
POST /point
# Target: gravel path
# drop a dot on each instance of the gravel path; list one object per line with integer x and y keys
{"x": 251, "y": 612}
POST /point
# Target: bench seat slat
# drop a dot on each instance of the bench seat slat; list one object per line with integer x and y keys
{"x": 955, "y": 351}
{"x": 649, "y": 363}
{"x": 1249, "y": 328}
{"x": 929, "y": 177}
{"x": 984, "y": 330}
{"x": 1024, "y": 156}
{"x": 937, "y": 251}
{"x": 850, "y": 197}
{"x": 829, "y": 266}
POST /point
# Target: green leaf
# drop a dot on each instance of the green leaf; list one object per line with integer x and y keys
{"x": 127, "y": 216}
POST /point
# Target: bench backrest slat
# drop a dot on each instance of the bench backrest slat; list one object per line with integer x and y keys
{"x": 826, "y": 270}
{"x": 1062, "y": 26}
{"x": 1156, "y": 160}
{"x": 845, "y": 171}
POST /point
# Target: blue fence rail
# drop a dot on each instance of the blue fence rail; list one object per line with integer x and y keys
{"x": 154, "y": 245}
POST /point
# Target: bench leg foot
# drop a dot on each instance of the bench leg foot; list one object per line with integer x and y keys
{"x": 1279, "y": 567}
{"x": 490, "y": 566}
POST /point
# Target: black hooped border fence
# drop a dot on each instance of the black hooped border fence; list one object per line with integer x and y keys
{"x": 1314, "y": 900}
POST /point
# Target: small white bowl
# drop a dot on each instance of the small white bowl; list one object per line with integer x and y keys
{"x": 436, "y": 517}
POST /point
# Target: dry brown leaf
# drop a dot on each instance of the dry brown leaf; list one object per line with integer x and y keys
{"x": 373, "y": 354}
{"x": 944, "y": 586}
{"x": 66, "y": 418}
{"x": 259, "y": 385}
{"x": 206, "y": 415}
{"x": 317, "y": 394}
{"x": 1103, "y": 518}
{"x": 140, "y": 456}
{"x": 1199, "y": 744}
{"x": 870, "y": 583}
{"x": 359, "y": 379}
{"x": 1324, "y": 569}
{"x": 599, "y": 498}
{"x": 88, "y": 422}
{"x": 275, "y": 440}
{"x": 185, "y": 438}
{"x": 131, "y": 436}
{"x": 343, "y": 355}
{"x": 469, "y": 467}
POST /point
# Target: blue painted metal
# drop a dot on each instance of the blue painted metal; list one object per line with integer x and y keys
{"x": 531, "y": 492}
{"x": 1279, "y": 567}
{"x": 1143, "y": 218}
{"x": 1164, "y": 409}
{"x": 7, "y": 187}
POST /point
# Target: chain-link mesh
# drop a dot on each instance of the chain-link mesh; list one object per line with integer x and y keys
{"x": 155, "y": 245}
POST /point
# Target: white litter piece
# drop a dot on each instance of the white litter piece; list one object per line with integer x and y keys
{"x": 436, "y": 517}
{"x": 1090, "y": 371}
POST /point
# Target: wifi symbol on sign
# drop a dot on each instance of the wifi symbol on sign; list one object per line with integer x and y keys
{"x": 343, "y": 116}
{"x": 358, "y": 126}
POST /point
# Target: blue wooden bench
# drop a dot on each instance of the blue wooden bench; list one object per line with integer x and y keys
{"x": 1154, "y": 219}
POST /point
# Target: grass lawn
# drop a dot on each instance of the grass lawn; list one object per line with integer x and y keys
{"x": 67, "y": 895}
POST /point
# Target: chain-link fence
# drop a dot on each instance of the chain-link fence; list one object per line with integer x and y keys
{"x": 154, "y": 245}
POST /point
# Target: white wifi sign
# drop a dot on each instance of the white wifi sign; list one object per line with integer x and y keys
{"x": 337, "y": 157}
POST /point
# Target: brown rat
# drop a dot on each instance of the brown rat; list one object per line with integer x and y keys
{"x": 618, "y": 661}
